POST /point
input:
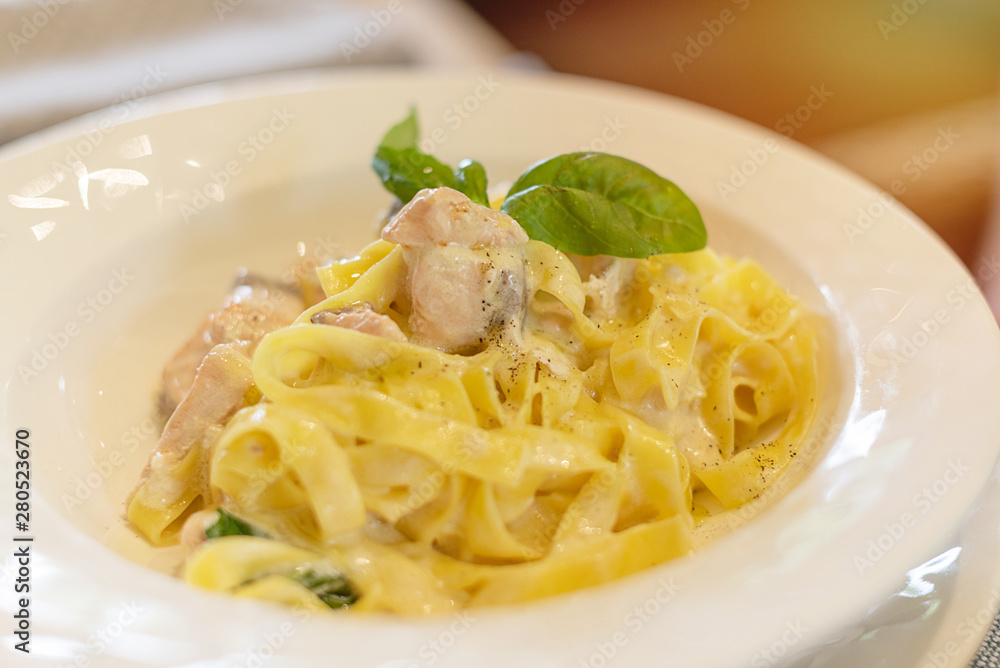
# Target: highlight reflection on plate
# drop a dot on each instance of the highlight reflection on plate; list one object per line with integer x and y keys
{"x": 117, "y": 241}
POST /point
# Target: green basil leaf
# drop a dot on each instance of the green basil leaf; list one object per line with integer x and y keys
{"x": 334, "y": 590}
{"x": 403, "y": 168}
{"x": 228, "y": 525}
{"x": 600, "y": 204}
{"x": 471, "y": 179}
{"x": 403, "y": 134}
{"x": 407, "y": 171}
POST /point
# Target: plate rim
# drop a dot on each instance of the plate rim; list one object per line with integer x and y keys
{"x": 249, "y": 88}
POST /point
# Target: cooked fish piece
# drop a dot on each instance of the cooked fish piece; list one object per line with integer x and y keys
{"x": 255, "y": 307}
{"x": 218, "y": 391}
{"x": 466, "y": 269}
{"x": 362, "y": 317}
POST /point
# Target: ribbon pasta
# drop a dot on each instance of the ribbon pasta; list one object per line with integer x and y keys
{"x": 580, "y": 455}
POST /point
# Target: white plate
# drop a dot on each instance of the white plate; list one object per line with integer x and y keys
{"x": 109, "y": 268}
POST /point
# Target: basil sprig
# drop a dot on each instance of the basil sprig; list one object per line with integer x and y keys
{"x": 405, "y": 170}
{"x": 230, "y": 525}
{"x": 334, "y": 590}
{"x": 585, "y": 203}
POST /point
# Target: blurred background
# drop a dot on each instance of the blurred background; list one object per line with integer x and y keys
{"x": 905, "y": 92}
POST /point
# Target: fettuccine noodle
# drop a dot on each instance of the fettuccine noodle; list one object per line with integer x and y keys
{"x": 632, "y": 405}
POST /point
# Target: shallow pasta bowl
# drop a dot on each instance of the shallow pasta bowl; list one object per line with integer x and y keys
{"x": 122, "y": 229}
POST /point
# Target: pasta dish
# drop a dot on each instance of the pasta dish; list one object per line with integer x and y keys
{"x": 466, "y": 415}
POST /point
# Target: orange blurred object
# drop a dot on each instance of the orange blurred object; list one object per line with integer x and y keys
{"x": 898, "y": 90}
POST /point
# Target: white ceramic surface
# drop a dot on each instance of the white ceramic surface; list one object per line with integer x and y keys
{"x": 882, "y": 551}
